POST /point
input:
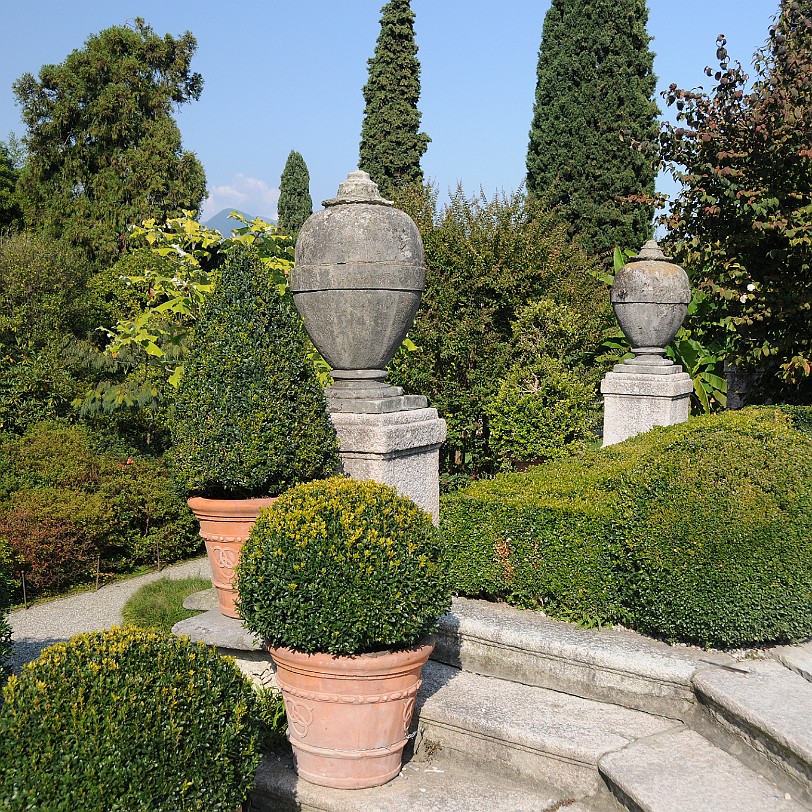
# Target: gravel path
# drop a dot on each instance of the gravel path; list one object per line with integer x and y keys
{"x": 41, "y": 625}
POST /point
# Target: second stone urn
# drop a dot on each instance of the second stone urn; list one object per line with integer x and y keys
{"x": 650, "y": 297}
{"x": 357, "y": 282}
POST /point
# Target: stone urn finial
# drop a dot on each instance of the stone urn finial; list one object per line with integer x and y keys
{"x": 650, "y": 297}
{"x": 357, "y": 282}
{"x": 358, "y": 188}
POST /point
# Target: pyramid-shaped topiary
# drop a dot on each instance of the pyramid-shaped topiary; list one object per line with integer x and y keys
{"x": 250, "y": 416}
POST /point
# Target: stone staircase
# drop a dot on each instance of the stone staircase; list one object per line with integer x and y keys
{"x": 518, "y": 712}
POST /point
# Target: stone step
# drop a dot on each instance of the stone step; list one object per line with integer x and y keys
{"x": 608, "y": 665}
{"x": 505, "y": 728}
{"x": 769, "y": 708}
{"x": 421, "y": 787}
{"x": 797, "y": 658}
{"x": 679, "y": 771}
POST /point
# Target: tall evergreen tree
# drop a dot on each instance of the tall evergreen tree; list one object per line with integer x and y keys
{"x": 10, "y": 214}
{"x": 295, "y": 203}
{"x": 103, "y": 148}
{"x": 593, "y": 112}
{"x": 391, "y": 144}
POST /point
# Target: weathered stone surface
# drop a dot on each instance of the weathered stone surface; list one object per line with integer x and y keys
{"x": 421, "y": 787}
{"x": 770, "y": 708}
{"x": 401, "y": 449}
{"x": 518, "y": 730}
{"x": 201, "y": 601}
{"x": 608, "y": 665}
{"x": 797, "y": 658}
{"x": 650, "y": 296}
{"x": 214, "y": 629}
{"x": 232, "y": 640}
{"x": 359, "y": 275}
{"x": 679, "y": 771}
{"x": 635, "y": 403}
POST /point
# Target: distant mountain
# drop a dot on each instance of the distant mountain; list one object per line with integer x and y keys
{"x": 225, "y": 225}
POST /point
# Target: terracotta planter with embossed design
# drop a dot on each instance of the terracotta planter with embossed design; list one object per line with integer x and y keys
{"x": 225, "y": 525}
{"x": 349, "y": 716}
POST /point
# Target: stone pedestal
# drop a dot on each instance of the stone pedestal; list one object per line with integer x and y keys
{"x": 638, "y": 398}
{"x": 397, "y": 448}
{"x": 230, "y": 637}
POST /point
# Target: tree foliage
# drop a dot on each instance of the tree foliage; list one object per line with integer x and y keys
{"x": 44, "y": 308}
{"x": 743, "y": 219}
{"x": 103, "y": 148}
{"x": 391, "y": 143}
{"x": 295, "y": 203}
{"x": 10, "y": 212}
{"x": 487, "y": 261}
{"x": 593, "y": 106}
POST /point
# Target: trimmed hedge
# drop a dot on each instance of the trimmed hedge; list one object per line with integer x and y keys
{"x": 250, "y": 418}
{"x": 128, "y": 719}
{"x": 342, "y": 566}
{"x": 63, "y": 504}
{"x": 700, "y": 532}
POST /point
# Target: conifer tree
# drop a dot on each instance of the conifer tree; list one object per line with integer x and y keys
{"x": 391, "y": 144}
{"x": 295, "y": 203}
{"x": 593, "y": 113}
{"x": 104, "y": 151}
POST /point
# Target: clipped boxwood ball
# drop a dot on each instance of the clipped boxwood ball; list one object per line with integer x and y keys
{"x": 344, "y": 567}
{"x": 128, "y": 719}
{"x": 250, "y": 418}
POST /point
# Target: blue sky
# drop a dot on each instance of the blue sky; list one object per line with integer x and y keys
{"x": 281, "y": 76}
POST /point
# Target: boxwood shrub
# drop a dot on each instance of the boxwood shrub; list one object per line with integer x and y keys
{"x": 698, "y": 532}
{"x": 128, "y": 719}
{"x": 250, "y": 417}
{"x": 342, "y": 566}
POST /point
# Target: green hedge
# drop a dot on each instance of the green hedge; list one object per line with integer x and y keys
{"x": 63, "y": 504}
{"x": 128, "y": 719}
{"x": 699, "y": 532}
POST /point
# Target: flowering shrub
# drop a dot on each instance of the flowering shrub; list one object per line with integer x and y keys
{"x": 344, "y": 567}
{"x": 128, "y": 719}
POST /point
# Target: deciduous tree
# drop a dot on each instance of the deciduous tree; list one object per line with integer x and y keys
{"x": 743, "y": 220}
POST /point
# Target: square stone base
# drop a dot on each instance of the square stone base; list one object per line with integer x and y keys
{"x": 635, "y": 403}
{"x": 401, "y": 449}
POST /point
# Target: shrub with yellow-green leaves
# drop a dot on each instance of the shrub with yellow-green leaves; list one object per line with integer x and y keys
{"x": 128, "y": 719}
{"x": 342, "y": 566}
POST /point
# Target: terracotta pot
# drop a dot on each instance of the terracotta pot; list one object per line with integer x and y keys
{"x": 225, "y": 525}
{"x": 349, "y": 717}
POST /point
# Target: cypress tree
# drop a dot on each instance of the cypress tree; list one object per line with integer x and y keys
{"x": 593, "y": 117}
{"x": 391, "y": 144}
{"x": 295, "y": 203}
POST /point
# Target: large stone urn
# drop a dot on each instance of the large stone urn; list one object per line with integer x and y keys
{"x": 357, "y": 282}
{"x": 650, "y": 297}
